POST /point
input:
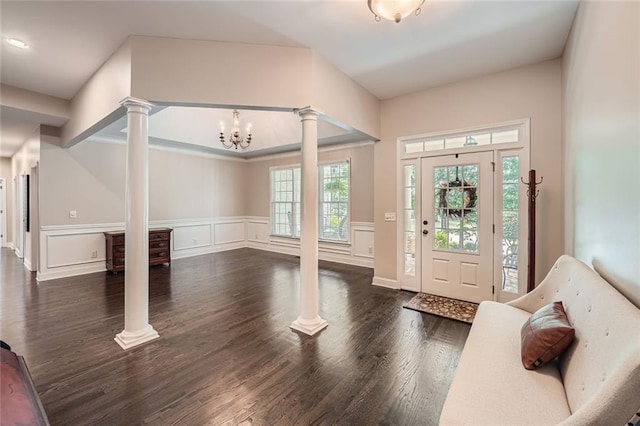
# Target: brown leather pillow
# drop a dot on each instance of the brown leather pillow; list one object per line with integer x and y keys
{"x": 545, "y": 335}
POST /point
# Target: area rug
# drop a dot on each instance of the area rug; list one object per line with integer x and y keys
{"x": 442, "y": 306}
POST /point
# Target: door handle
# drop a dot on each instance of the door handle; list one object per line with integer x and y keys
{"x": 425, "y": 222}
{"x": 425, "y": 232}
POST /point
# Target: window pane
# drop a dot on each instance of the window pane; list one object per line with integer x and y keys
{"x": 475, "y": 140}
{"x": 434, "y": 145}
{"x": 333, "y": 201}
{"x": 510, "y": 224}
{"x": 409, "y": 176}
{"x": 457, "y": 142}
{"x": 410, "y": 242}
{"x": 409, "y": 219}
{"x": 413, "y": 147}
{"x": 284, "y": 220}
{"x": 510, "y": 171}
{"x": 455, "y": 208}
{"x": 505, "y": 136}
{"x": 441, "y": 241}
{"x": 409, "y": 264}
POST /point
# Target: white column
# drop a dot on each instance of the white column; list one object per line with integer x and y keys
{"x": 309, "y": 322}
{"x": 137, "y": 329}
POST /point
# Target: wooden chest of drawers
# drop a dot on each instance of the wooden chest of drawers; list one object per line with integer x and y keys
{"x": 159, "y": 248}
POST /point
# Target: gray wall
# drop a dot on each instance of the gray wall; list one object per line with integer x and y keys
{"x": 601, "y": 92}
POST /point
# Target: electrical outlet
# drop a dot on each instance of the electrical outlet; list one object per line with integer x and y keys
{"x": 370, "y": 250}
{"x": 390, "y": 217}
{"x": 256, "y": 237}
{"x": 94, "y": 254}
{"x": 195, "y": 241}
{"x": 73, "y": 214}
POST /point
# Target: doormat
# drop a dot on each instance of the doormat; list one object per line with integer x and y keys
{"x": 443, "y": 306}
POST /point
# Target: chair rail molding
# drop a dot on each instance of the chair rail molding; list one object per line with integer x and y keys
{"x": 78, "y": 249}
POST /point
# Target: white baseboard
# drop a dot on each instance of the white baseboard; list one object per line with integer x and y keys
{"x": 71, "y": 271}
{"x": 27, "y": 264}
{"x": 183, "y": 254}
{"x": 8, "y": 245}
{"x": 385, "y": 282}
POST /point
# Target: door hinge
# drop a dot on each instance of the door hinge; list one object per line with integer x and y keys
{"x": 493, "y": 289}
{"x": 493, "y": 165}
{"x": 494, "y": 228}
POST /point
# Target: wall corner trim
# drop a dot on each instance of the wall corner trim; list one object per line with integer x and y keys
{"x": 386, "y": 283}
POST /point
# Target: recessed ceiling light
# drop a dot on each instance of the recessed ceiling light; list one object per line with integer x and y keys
{"x": 17, "y": 43}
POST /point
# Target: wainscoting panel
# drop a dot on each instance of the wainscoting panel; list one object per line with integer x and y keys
{"x": 258, "y": 230}
{"x": 191, "y": 236}
{"x": 80, "y": 249}
{"x": 73, "y": 250}
{"x": 230, "y": 232}
{"x": 66, "y": 250}
{"x": 356, "y": 252}
{"x": 362, "y": 239}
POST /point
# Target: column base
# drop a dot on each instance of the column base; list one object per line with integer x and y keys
{"x": 128, "y": 340}
{"x": 309, "y": 327}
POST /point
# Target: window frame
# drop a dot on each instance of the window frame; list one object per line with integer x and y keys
{"x": 293, "y": 201}
{"x": 293, "y": 167}
{"x": 347, "y": 219}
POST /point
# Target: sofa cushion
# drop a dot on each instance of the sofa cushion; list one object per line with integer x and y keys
{"x": 545, "y": 335}
{"x": 490, "y": 386}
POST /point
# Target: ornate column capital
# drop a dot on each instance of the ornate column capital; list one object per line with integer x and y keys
{"x": 307, "y": 112}
{"x": 133, "y": 104}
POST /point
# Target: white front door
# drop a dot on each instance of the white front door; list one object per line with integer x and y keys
{"x": 457, "y": 226}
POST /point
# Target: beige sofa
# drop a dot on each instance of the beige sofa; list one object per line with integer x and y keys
{"x": 596, "y": 382}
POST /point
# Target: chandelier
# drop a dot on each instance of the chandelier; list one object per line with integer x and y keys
{"x": 235, "y": 138}
{"x": 394, "y": 10}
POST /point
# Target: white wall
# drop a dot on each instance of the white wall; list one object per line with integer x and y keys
{"x": 97, "y": 103}
{"x": 601, "y": 94}
{"x": 337, "y": 95}
{"x": 528, "y": 92}
{"x": 211, "y": 72}
{"x": 200, "y": 196}
{"x": 90, "y": 179}
{"x": 7, "y": 175}
{"x": 22, "y": 161}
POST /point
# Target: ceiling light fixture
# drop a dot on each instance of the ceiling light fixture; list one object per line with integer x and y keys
{"x": 394, "y": 10}
{"x": 235, "y": 139}
{"x": 17, "y": 43}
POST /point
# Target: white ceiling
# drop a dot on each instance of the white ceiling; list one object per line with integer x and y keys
{"x": 17, "y": 125}
{"x": 448, "y": 41}
{"x": 272, "y": 131}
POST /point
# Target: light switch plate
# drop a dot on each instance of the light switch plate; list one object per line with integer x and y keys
{"x": 390, "y": 217}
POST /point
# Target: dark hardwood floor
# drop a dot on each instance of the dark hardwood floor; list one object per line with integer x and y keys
{"x": 226, "y": 354}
